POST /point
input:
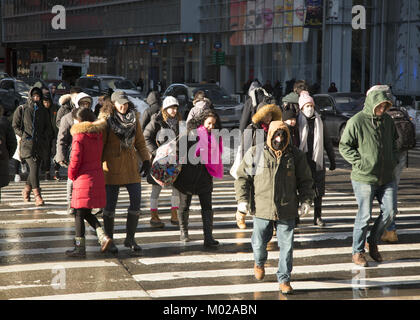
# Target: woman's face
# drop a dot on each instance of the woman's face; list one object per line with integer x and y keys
{"x": 210, "y": 123}
{"x": 121, "y": 108}
{"x": 172, "y": 111}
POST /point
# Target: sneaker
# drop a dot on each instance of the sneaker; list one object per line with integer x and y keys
{"x": 17, "y": 178}
{"x": 259, "y": 272}
{"x": 359, "y": 259}
{"x": 286, "y": 288}
{"x": 373, "y": 252}
{"x": 388, "y": 236}
{"x": 319, "y": 222}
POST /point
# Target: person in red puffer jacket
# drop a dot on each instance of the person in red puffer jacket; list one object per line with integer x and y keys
{"x": 85, "y": 170}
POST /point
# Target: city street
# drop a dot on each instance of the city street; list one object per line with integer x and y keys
{"x": 33, "y": 241}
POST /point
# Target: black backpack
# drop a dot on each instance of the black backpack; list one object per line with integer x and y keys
{"x": 405, "y": 129}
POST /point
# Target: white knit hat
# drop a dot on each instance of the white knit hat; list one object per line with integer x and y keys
{"x": 169, "y": 102}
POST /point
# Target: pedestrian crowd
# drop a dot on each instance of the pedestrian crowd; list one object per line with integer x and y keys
{"x": 279, "y": 171}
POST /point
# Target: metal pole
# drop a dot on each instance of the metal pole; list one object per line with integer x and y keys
{"x": 364, "y": 40}
{"x": 323, "y": 64}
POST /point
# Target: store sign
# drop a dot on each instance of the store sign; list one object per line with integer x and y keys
{"x": 359, "y": 20}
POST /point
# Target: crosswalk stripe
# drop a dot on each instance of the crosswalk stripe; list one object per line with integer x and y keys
{"x": 93, "y": 295}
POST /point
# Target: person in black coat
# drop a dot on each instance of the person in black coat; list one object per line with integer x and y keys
{"x": 195, "y": 179}
{"x": 8, "y": 146}
{"x": 154, "y": 102}
{"x": 31, "y": 122}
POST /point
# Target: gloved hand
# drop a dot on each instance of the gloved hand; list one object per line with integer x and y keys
{"x": 304, "y": 209}
{"x": 145, "y": 168}
{"x": 332, "y": 166}
{"x": 243, "y": 207}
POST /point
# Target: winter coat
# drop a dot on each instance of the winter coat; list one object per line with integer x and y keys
{"x": 8, "y": 145}
{"x": 369, "y": 144}
{"x": 318, "y": 175}
{"x": 256, "y": 95}
{"x": 279, "y": 184}
{"x": 151, "y": 133}
{"x": 121, "y": 166}
{"x": 250, "y": 135}
{"x": 85, "y": 168}
{"x": 52, "y": 113}
{"x": 292, "y": 100}
{"x": 31, "y": 122}
{"x": 154, "y": 102}
{"x": 194, "y": 177}
{"x": 66, "y": 106}
{"x": 198, "y": 108}
{"x": 64, "y": 138}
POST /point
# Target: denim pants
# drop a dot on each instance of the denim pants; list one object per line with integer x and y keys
{"x": 387, "y": 198}
{"x": 262, "y": 234}
{"x": 134, "y": 192}
{"x": 397, "y": 172}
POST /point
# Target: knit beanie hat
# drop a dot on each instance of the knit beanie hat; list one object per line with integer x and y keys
{"x": 289, "y": 114}
{"x": 304, "y": 99}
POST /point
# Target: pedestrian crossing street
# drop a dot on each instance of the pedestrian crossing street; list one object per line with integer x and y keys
{"x": 33, "y": 264}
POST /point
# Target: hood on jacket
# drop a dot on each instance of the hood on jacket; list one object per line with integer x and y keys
{"x": 64, "y": 99}
{"x": 292, "y": 97}
{"x": 88, "y": 127}
{"x": 153, "y": 98}
{"x": 376, "y": 97}
{"x": 81, "y": 96}
{"x": 252, "y": 93}
{"x": 274, "y": 126}
{"x": 263, "y": 111}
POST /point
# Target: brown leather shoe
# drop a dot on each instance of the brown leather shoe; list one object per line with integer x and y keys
{"x": 38, "y": 198}
{"x": 259, "y": 272}
{"x": 286, "y": 288}
{"x": 390, "y": 236}
{"x": 26, "y": 193}
{"x": 240, "y": 220}
{"x": 360, "y": 260}
{"x": 373, "y": 252}
{"x": 174, "y": 217}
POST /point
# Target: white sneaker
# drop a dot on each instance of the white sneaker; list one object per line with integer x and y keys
{"x": 17, "y": 178}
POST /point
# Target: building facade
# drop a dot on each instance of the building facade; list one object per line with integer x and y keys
{"x": 228, "y": 41}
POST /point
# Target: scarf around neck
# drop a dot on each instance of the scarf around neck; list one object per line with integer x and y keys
{"x": 210, "y": 151}
{"x": 318, "y": 153}
{"x": 124, "y": 127}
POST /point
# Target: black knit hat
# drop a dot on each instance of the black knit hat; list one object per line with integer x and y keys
{"x": 36, "y": 90}
{"x": 289, "y": 114}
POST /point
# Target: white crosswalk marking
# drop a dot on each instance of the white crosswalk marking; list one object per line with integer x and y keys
{"x": 33, "y": 241}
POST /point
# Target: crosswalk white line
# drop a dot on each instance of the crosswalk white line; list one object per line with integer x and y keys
{"x": 93, "y": 295}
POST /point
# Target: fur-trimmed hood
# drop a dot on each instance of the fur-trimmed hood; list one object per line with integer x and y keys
{"x": 65, "y": 98}
{"x": 88, "y": 127}
{"x": 263, "y": 111}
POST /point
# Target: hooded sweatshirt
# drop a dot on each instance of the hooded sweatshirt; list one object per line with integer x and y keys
{"x": 369, "y": 142}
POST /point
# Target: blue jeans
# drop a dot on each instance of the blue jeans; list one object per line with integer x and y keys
{"x": 112, "y": 191}
{"x": 261, "y": 236}
{"x": 387, "y": 198}
{"x": 397, "y": 172}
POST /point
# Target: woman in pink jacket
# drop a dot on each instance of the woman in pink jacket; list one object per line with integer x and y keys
{"x": 85, "y": 170}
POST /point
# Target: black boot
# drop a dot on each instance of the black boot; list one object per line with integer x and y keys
{"x": 109, "y": 230}
{"x": 183, "y": 217}
{"x": 79, "y": 250}
{"x": 207, "y": 216}
{"x": 131, "y": 227}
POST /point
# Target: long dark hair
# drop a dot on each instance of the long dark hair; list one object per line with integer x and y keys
{"x": 194, "y": 123}
{"x": 83, "y": 114}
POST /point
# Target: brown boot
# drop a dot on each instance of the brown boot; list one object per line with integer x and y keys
{"x": 286, "y": 288}
{"x": 155, "y": 221}
{"x": 26, "y": 193}
{"x": 240, "y": 220}
{"x": 390, "y": 236}
{"x": 174, "y": 216}
{"x": 360, "y": 260}
{"x": 259, "y": 272}
{"x": 38, "y": 198}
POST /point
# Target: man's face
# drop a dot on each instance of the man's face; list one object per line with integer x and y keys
{"x": 36, "y": 98}
{"x": 279, "y": 140}
{"x": 381, "y": 109}
{"x": 84, "y": 104}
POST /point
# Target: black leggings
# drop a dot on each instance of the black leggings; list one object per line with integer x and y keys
{"x": 80, "y": 216}
{"x": 33, "y": 177}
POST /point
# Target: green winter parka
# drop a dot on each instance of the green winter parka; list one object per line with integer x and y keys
{"x": 369, "y": 143}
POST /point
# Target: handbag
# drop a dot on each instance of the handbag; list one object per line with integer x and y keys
{"x": 166, "y": 165}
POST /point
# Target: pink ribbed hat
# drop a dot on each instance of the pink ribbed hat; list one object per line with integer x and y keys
{"x": 304, "y": 99}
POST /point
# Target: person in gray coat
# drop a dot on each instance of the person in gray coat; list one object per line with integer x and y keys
{"x": 154, "y": 102}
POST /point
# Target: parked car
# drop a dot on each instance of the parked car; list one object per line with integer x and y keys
{"x": 337, "y": 108}
{"x": 97, "y": 85}
{"x": 13, "y": 93}
{"x": 229, "y": 109}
